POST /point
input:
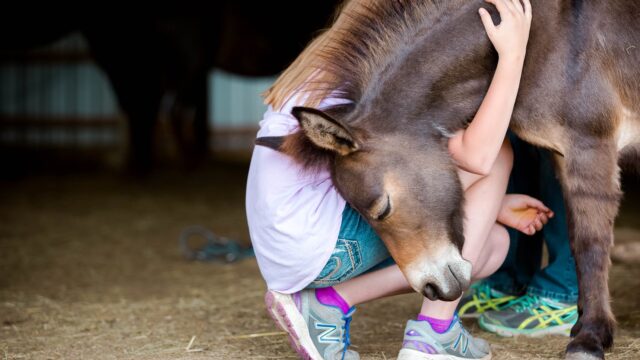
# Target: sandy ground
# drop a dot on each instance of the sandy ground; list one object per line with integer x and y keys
{"x": 90, "y": 269}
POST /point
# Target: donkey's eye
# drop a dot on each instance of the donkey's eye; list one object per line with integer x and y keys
{"x": 384, "y": 209}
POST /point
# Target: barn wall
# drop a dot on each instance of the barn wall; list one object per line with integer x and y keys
{"x": 56, "y": 96}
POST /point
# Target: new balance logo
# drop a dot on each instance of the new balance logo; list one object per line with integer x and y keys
{"x": 461, "y": 341}
{"x": 329, "y": 335}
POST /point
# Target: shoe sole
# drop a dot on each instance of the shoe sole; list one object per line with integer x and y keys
{"x": 410, "y": 354}
{"x": 470, "y": 316}
{"x": 284, "y": 312}
{"x": 559, "y": 330}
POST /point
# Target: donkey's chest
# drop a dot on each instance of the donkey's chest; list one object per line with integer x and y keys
{"x": 544, "y": 133}
{"x": 550, "y": 134}
{"x": 628, "y": 130}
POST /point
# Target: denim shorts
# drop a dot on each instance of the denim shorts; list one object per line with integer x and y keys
{"x": 358, "y": 250}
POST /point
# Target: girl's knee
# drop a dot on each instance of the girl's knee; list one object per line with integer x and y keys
{"x": 500, "y": 239}
{"x": 493, "y": 254}
{"x": 499, "y": 245}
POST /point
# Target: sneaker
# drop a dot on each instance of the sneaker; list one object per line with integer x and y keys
{"x": 422, "y": 343}
{"x": 481, "y": 298}
{"x": 316, "y": 331}
{"x": 531, "y": 316}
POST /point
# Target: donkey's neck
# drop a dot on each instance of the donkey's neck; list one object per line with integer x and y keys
{"x": 448, "y": 47}
{"x": 404, "y": 56}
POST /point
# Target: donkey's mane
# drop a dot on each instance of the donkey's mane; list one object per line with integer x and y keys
{"x": 345, "y": 59}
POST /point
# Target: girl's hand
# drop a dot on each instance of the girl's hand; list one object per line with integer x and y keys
{"x": 524, "y": 213}
{"x": 511, "y": 36}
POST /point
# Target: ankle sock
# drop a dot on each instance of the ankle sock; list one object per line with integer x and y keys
{"x": 438, "y": 325}
{"x": 329, "y": 296}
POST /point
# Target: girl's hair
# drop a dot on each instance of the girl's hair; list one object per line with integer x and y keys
{"x": 340, "y": 62}
{"x": 298, "y": 78}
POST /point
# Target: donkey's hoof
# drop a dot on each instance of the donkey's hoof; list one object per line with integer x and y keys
{"x": 582, "y": 348}
{"x": 585, "y": 346}
{"x": 581, "y": 356}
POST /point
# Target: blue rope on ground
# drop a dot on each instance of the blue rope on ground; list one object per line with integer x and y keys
{"x": 215, "y": 248}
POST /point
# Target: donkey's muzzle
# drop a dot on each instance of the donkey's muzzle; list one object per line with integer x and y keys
{"x": 454, "y": 280}
{"x": 441, "y": 276}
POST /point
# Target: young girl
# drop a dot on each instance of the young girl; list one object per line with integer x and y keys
{"x": 320, "y": 258}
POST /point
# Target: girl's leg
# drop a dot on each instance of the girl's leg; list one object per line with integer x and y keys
{"x": 374, "y": 285}
{"x": 494, "y": 253}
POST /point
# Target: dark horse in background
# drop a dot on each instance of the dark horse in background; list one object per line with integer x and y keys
{"x": 154, "y": 55}
{"x": 415, "y": 72}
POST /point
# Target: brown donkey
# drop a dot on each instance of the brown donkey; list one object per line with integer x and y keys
{"x": 415, "y": 72}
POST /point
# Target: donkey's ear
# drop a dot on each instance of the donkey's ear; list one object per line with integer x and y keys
{"x": 324, "y": 131}
{"x": 272, "y": 142}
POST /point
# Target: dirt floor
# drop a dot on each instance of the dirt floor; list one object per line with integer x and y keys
{"x": 90, "y": 269}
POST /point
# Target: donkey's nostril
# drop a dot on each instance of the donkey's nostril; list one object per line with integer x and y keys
{"x": 460, "y": 276}
{"x": 431, "y": 292}
{"x": 462, "y": 273}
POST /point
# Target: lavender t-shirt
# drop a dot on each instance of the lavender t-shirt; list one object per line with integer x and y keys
{"x": 294, "y": 216}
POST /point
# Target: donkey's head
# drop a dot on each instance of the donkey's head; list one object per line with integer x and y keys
{"x": 407, "y": 189}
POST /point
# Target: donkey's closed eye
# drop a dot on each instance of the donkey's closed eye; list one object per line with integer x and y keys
{"x": 382, "y": 208}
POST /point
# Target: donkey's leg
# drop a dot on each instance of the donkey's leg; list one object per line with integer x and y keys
{"x": 590, "y": 177}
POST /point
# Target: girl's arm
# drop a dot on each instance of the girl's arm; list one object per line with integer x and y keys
{"x": 475, "y": 149}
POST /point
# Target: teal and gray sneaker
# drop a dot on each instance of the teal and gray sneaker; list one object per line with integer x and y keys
{"x": 480, "y": 298}
{"x": 531, "y": 316}
{"x": 316, "y": 331}
{"x": 421, "y": 342}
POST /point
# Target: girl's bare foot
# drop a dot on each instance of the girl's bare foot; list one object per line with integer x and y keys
{"x": 524, "y": 213}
